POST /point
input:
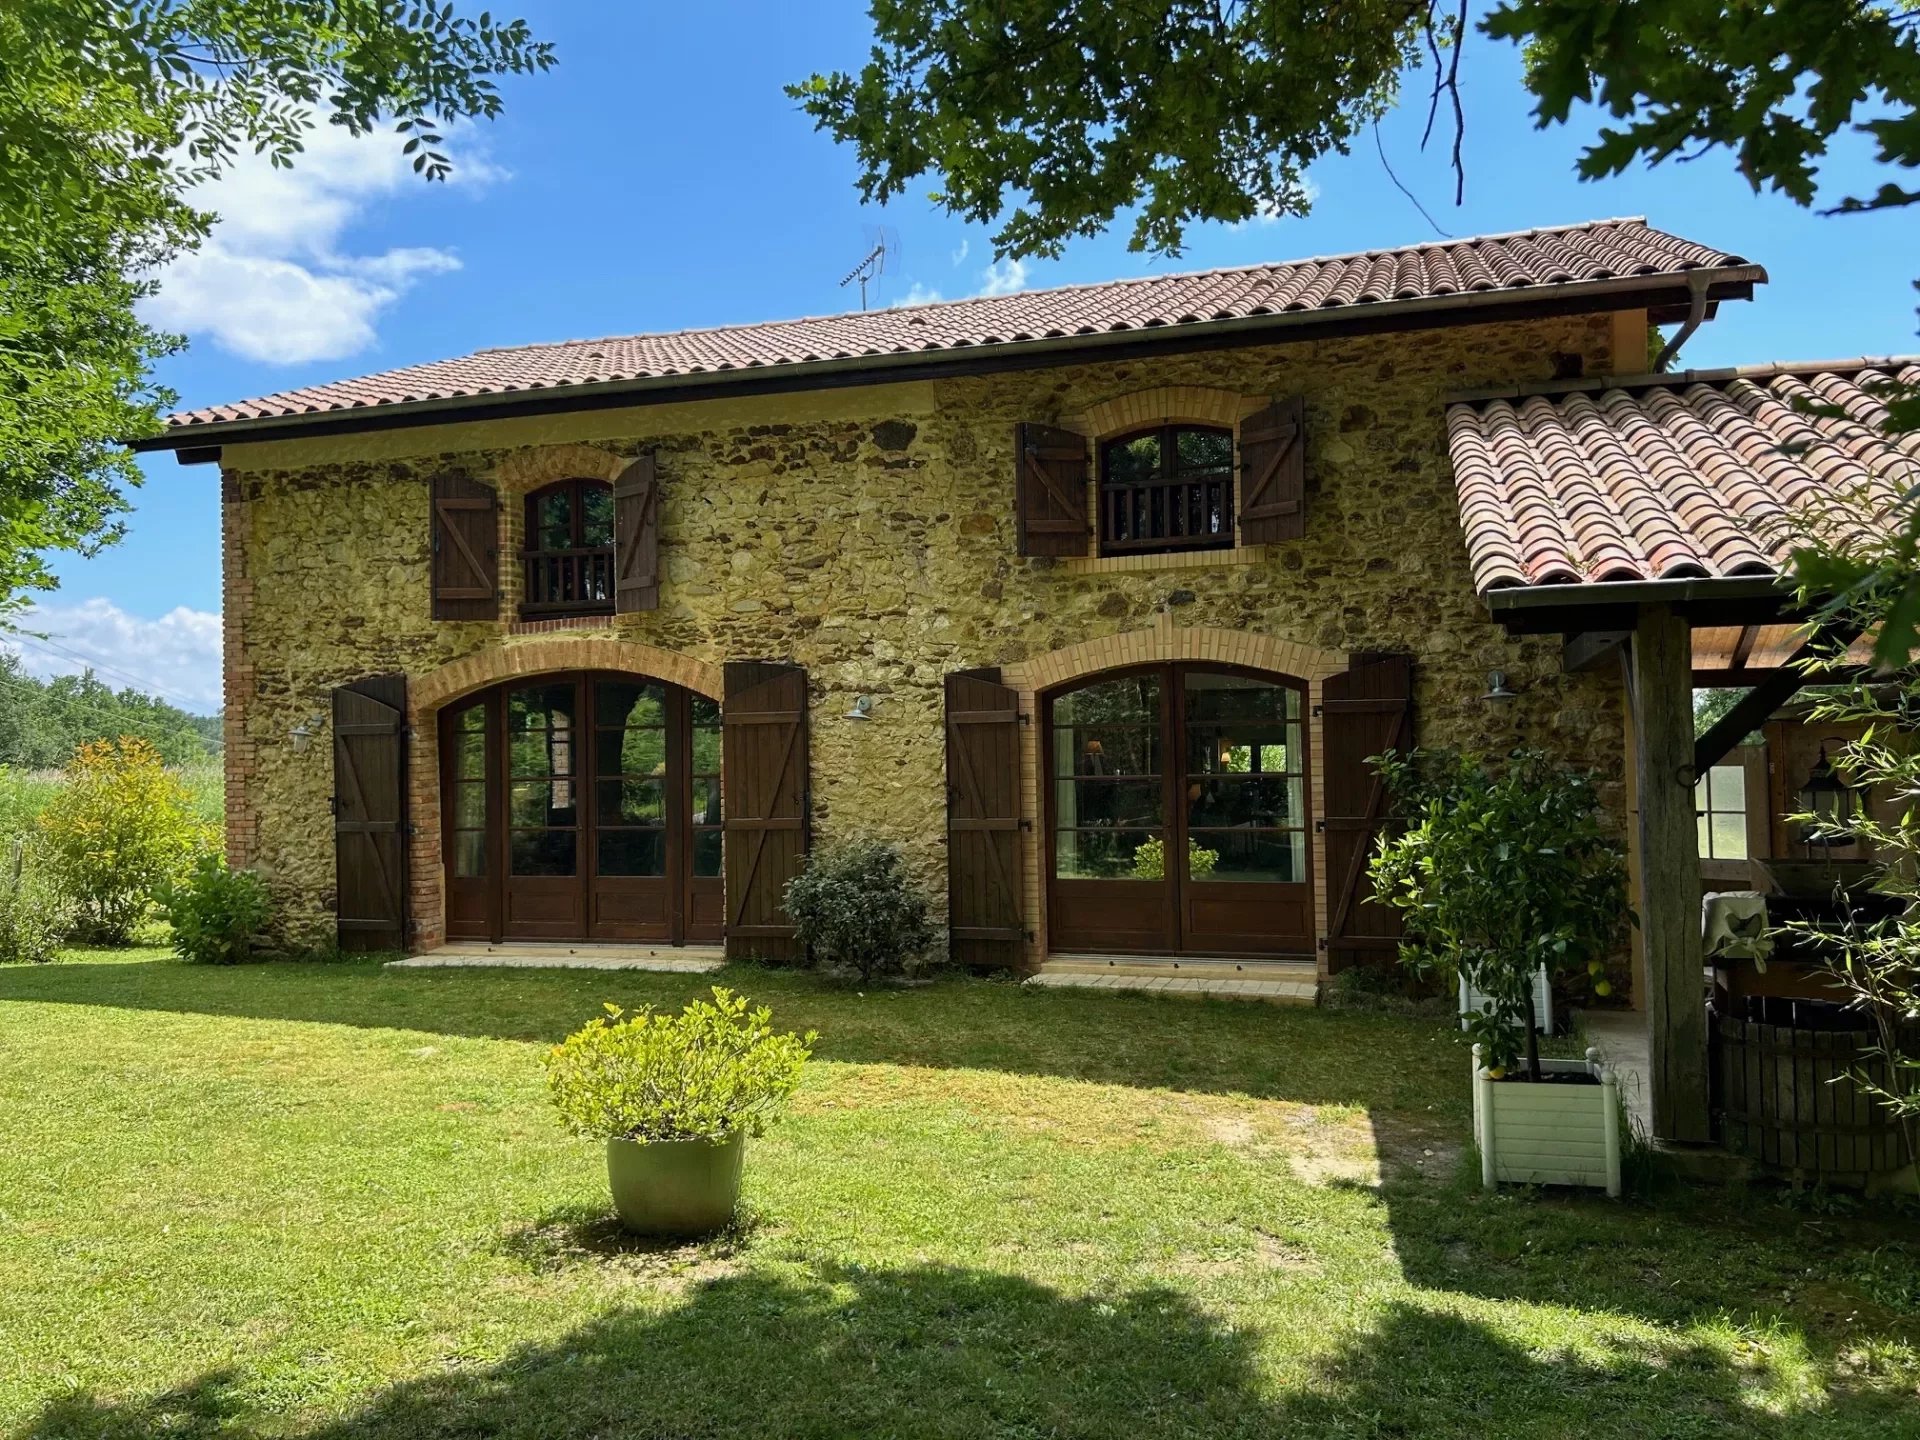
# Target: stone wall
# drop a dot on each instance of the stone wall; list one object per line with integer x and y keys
{"x": 868, "y": 535}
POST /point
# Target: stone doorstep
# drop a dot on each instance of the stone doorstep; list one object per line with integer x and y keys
{"x": 1272, "y": 992}
{"x": 1199, "y": 967}
{"x": 536, "y": 955}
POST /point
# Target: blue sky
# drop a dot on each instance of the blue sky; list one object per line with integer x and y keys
{"x": 657, "y": 178}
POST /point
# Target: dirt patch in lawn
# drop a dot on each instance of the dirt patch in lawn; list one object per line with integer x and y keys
{"x": 575, "y": 1240}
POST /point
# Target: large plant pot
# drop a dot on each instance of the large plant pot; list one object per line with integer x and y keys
{"x": 1472, "y": 1000}
{"x": 1561, "y": 1131}
{"x": 675, "y": 1187}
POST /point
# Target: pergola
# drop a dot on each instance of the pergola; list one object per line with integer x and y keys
{"x": 1649, "y": 521}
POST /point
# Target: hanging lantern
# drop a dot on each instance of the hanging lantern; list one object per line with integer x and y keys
{"x": 1830, "y": 801}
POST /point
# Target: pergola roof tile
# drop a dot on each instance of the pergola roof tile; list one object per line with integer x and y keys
{"x": 1661, "y": 477}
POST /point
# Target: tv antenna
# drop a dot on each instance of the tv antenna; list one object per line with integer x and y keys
{"x": 883, "y": 245}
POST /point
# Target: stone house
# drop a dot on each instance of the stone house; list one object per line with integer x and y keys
{"x": 592, "y": 640}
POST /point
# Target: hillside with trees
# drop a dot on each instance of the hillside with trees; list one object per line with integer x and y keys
{"x": 42, "y": 721}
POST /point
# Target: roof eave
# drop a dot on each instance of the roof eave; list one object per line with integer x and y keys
{"x": 202, "y": 441}
{"x": 1598, "y": 604}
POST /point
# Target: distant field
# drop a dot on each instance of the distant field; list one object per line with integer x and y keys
{"x": 25, "y": 793}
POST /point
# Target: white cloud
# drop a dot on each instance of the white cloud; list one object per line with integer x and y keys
{"x": 1003, "y": 277}
{"x": 176, "y": 657}
{"x": 918, "y": 294}
{"x": 961, "y": 254}
{"x": 275, "y": 281}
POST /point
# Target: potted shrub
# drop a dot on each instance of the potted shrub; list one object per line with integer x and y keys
{"x": 1498, "y": 874}
{"x": 855, "y": 908}
{"x": 675, "y": 1098}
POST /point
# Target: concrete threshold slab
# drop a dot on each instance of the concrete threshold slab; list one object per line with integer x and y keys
{"x": 668, "y": 960}
{"x": 1272, "y": 992}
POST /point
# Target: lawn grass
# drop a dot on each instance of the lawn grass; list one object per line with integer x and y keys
{"x": 329, "y": 1200}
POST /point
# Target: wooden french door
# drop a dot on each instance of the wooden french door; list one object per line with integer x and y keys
{"x": 583, "y": 807}
{"x": 1177, "y": 814}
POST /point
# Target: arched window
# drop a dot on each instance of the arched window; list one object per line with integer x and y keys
{"x": 1169, "y": 488}
{"x": 568, "y": 558}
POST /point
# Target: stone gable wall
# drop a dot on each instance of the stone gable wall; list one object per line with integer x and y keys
{"x": 870, "y": 538}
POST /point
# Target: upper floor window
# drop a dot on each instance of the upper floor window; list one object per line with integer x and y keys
{"x": 568, "y": 559}
{"x": 1169, "y": 488}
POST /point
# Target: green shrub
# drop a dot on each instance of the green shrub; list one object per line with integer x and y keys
{"x": 35, "y": 917}
{"x": 1497, "y": 873}
{"x": 216, "y": 913}
{"x": 24, "y": 794}
{"x": 119, "y": 827}
{"x": 714, "y": 1070}
{"x": 1150, "y": 861}
{"x": 855, "y": 908}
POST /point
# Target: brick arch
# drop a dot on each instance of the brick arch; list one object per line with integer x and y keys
{"x": 534, "y": 657}
{"x": 1167, "y": 641}
{"x": 526, "y": 470}
{"x": 1202, "y": 404}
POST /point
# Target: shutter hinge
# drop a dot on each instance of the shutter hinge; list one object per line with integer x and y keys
{"x": 333, "y": 804}
{"x": 1320, "y": 827}
{"x": 1316, "y": 712}
{"x": 1025, "y": 823}
{"x": 1321, "y": 943}
{"x": 1025, "y": 718}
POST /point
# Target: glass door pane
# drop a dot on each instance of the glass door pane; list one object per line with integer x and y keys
{"x": 466, "y": 770}
{"x": 543, "y": 785}
{"x": 704, "y": 819}
{"x": 1245, "y": 780}
{"x": 1107, "y": 777}
{"x": 632, "y": 779}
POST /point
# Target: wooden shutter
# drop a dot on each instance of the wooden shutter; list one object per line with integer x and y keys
{"x": 370, "y": 813}
{"x": 636, "y": 537}
{"x": 466, "y": 549}
{"x": 763, "y": 726}
{"x": 984, "y": 925}
{"x": 1050, "y": 490}
{"x": 1273, "y": 474}
{"x": 1364, "y": 711}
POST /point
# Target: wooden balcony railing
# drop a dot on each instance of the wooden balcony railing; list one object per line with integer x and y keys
{"x": 568, "y": 582}
{"x": 1188, "y": 514}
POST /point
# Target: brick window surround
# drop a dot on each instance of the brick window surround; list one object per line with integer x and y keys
{"x": 1144, "y": 410}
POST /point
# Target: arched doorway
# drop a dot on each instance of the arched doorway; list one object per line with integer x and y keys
{"x": 582, "y": 806}
{"x": 1177, "y": 816}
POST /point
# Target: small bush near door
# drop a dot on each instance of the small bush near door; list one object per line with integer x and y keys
{"x": 120, "y": 828}
{"x": 855, "y": 908}
{"x": 217, "y": 914}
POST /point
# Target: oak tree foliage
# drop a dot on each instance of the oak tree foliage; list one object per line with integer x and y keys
{"x": 1053, "y": 118}
{"x": 110, "y": 112}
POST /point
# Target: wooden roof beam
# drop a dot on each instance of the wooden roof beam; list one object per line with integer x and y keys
{"x": 1590, "y": 649}
{"x": 1751, "y": 709}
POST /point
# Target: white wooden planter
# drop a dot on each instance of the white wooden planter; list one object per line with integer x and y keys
{"x": 1548, "y": 1134}
{"x": 1472, "y": 1000}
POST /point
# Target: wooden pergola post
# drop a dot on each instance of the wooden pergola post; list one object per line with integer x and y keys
{"x": 1660, "y": 668}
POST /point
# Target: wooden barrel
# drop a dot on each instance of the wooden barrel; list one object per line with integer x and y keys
{"x": 1785, "y": 1093}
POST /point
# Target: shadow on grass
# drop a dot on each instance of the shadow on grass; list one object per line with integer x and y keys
{"x": 936, "y": 1353}
{"x": 1674, "y": 1255}
{"x": 1305, "y": 1055}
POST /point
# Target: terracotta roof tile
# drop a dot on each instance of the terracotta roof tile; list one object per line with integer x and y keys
{"x": 1671, "y": 477}
{"x": 1571, "y": 255}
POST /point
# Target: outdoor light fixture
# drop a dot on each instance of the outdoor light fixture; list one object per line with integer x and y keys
{"x": 303, "y": 733}
{"x": 1829, "y": 800}
{"x": 1497, "y": 686}
{"x": 862, "y": 708}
